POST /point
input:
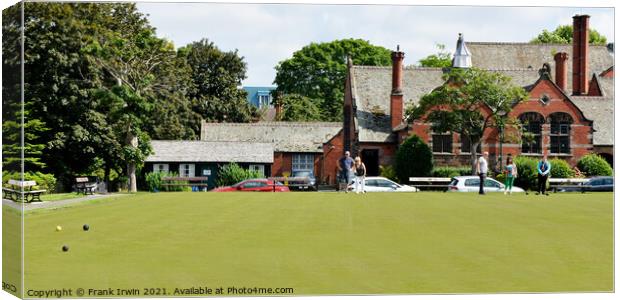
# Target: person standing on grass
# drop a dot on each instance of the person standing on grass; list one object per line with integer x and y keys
{"x": 360, "y": 175}
{"x": 510, "y": 170}
{"x": 482, "y": 168}
{"x": 345, "y": 166}
{"x": 543, "y": 168}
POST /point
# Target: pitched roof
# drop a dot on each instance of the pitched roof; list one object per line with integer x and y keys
{"x": 601, "y": 111}
{"x": 532, "y": 56}
{"x": 201, "y": 151}
{"x": 521, "y": 61}
{"x": 372, "y": 88}
{"x": 284, "y": 136}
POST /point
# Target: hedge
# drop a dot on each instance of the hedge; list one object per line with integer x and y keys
{"x": 594, "y": 165}
{"x": 44, "y": 181}
{"x": 413, "y": 158}
{"x": 451, "y": 171}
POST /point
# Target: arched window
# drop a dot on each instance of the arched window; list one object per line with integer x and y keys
{"x": 560, "y": 132}
{"x": 532, "y": 129}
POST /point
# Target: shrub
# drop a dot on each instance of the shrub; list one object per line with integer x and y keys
{"x": 561, "y": 169}
{"x": 153, "y": 181}
{"x": 451, "y": 171}
{"x": 501, "y": 177}
{"x": 44, "y": 181}
{"x": 413, "y": 158}
{"x": 232, "y": 173}
{"x": 594, "y": 165}
{"x": 388, "y": 172}
{"x": 527, "y": 177}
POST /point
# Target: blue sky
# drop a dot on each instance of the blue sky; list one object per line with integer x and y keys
{"x": 265, "y": 34}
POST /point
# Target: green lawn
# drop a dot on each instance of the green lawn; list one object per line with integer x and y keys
{"x": 61, "y": 196}
{"x": 328, "y": 243}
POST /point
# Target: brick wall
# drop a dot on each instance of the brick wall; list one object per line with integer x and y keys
{"x": 332, "y": 151}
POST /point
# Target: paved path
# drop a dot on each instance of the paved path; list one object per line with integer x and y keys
{"x": 57, "y": 203}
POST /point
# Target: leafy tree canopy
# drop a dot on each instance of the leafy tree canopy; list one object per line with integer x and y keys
{"x": 440, "y": 60}
{"x": 318, "y": 71}
{"x": 216, "y": 76}
{"x": 298, "y": 108}
{"x": 457, "y": 105}
{"x": 563, "y": 34}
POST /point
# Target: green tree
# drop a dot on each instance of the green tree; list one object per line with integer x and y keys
{"x": 563, "y": 34}
{"x": 440, "y": 60}
{"x": 413, "y": 158}
{"x": 298, "y": 108}
{"x": 318, "y": 71}
{"x": 465, "y": 95}
{"x": 216, "y": 76}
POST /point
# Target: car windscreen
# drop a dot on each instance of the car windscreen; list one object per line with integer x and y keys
{"x": 301, "y": 174}
{"x": 454, "y": 182}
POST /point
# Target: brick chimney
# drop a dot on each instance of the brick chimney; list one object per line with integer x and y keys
{"x": 396, "y": 99}
{"x": 581, "y": 52}
{"x": 561, "y": 69}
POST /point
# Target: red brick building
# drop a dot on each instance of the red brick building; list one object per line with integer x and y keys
{"x": 314, "y": 146}
{"x": 566, "y": 120}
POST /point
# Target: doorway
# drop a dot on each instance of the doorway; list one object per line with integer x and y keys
{"x": 370, "y": 157}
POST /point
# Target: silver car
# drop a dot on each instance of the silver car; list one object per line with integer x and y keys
{"x": 382, "y": 184}
{"x": 472, "y": 184}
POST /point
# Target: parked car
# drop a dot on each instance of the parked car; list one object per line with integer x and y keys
{"x": 472, "y": 184}
{"x": 594, "y": 184}
{"x": 254, "y": 185}
{"x": 382, "y": 184}
{"x": 305, "y": 180}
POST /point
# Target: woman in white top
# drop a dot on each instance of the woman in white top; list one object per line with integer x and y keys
{"x": 360, "y": 175}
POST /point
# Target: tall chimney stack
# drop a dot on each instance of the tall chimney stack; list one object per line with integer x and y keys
{"x": 561, "y": 69}
{"x": 581, "y": 52}
{"x": 396, "y": 99}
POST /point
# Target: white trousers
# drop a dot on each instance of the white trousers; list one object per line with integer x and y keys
{"x": 360, "y": 180}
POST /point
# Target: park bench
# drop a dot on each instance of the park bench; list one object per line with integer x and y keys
{"x": 578, "y": 183}
{"x": 22, "y": 190}
{"x": 84, "y": 186}
{"x": 431, "y": 183}
{"x": 184, "y": 181}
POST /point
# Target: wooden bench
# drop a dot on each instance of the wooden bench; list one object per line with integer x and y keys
{"x": 22, "y": 190}
{"x": 577, "y": 183}
{"x": 431, "y": 182}
{"x": 185, "y": 181}
{"x": 84, "y": 186}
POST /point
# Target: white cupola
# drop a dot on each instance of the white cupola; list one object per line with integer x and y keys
{"x": 462, "y": 57}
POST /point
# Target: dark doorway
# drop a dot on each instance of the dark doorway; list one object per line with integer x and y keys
{"x": 609, "y": 158}
{"x": 370, "y": 157}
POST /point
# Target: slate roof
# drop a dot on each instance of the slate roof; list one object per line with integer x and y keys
{"x": 371, "y": 86}
{"x": 201, "y": 151}
{"x": 601, "y": 111}
{"x": 284, "y": 136}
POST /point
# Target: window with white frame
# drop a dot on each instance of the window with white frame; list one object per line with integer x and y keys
{"x": 263, "y": 100}
{"x": 186, "y": 170}
{"x": 303, "y": 162}
{"x": 160, "y": 168}
{"x": 258, "y": 168}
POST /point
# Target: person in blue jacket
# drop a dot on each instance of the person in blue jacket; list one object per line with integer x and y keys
{"x": 543, "y": 168}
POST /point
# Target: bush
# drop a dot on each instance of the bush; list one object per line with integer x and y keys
{"x": 451, "y": 171}
{"x": 561, "y": 169}
{"x": 154, "y": 182}
{"x": 232, "y": 173}
{"x": 594, "y": 165}
{"x": 413, "y": 158}
{"x": 44, "y": 181}
{"x": 527, "y": 177}
{"x": 388, "y": 172}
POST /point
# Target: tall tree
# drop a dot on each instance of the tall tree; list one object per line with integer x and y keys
{"x": 440, "y": 60}
{"x": 318, "y": 71}
{"x": 563, "y": 34}
{"x": 298, "y": 108}
{"x": 458, "y": 105}
{"x": 216, "y": 77}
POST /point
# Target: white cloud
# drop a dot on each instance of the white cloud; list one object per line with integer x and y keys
{"x": 268, "y": 33}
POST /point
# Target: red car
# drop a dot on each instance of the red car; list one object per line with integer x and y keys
{"x": 254, "y": 185}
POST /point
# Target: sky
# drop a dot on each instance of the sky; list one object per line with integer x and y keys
{"x": 265, "y": 34}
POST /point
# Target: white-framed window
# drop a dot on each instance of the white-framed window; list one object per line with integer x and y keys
{"x": 263, "y": 100}
{"x": 186, "y": 170}
{"x": 303, "y": 162}
{"x": 258, "y": 168}
{"x": 160, "y": 167}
